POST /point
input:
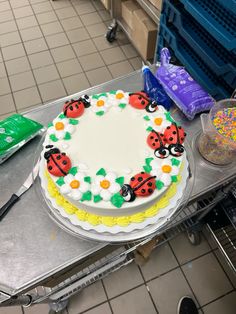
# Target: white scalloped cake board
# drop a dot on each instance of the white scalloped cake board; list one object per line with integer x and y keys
{"x": 162, "y": 216}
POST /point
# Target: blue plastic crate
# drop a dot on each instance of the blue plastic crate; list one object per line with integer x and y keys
{"x": 218, "y": 17}
{"x": 216, "y": 86}
{"x": 219, "y": 59}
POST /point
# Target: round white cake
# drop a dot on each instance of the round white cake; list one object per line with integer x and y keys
{"x": 114, "y": 153}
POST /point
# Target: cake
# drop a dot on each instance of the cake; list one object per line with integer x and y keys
{"x": 113, "y": 154}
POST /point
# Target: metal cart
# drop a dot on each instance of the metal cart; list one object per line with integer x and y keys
{"x": 118, "y": 21}
{"x": 39, "y": 262}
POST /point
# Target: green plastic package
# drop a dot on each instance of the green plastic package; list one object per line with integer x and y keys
{"x": 15, "y": 131}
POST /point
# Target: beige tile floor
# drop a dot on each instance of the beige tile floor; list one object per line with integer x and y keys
{"x": 50, "y": 49}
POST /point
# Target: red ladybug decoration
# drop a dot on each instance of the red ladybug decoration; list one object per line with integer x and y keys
{"x": 157, "y": 142}
{"x": 142, "y": 184}
{"x": 58, "y": 164}
{"x": 140, "y": 100}
{"x": 174, "y": 137}
{"x": 75, "y": 107}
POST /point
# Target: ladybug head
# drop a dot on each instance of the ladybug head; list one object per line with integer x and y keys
{"x": 162, "y": 152}
{"x": 51, "y": 151}
{"x": 151, "y": 106}
{"x": 85, "y": 101}
{"x": 127, "y": 193}
{"x": 176, "y": 149}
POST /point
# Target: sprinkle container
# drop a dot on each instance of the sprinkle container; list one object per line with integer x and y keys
{"x": 217, "y": 142}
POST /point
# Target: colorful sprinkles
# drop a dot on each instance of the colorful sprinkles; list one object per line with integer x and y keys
{"x": 225, "y": 123}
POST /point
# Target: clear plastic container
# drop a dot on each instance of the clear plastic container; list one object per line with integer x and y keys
{"x": 212, "y": 145}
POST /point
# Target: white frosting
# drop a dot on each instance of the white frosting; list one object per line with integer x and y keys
{"x": 115, "y": 141}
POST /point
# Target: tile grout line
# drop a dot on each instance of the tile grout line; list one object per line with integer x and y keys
{"x": 218, "y": 298}
{"x": 148, "y": 290}
{"x": 104, "y": 287}
{"x": 184, "y": 275}
{"x": 92, "y": 308}
{"x": 9, "y": 83}
{"x": 26, "y": 54}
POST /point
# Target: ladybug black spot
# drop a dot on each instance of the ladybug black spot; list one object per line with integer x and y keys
{"x": 171, "y": 138}
{"x": 150, "y": 184}
{"x": 140, "y": 179}
{"x": 143, "y": 191}
{"x": 64, "y": 162}
{"x": 143, "y": 102}
{"x": 156, "y": 140}
{"x": 139, "y": 97}
{"x": 153, "y": 144}
{"x": 180, "y": 127}
{"x": 162, "y": 135}
{"x": 150, "y": 191}
{"x": 76, "y": 106}
{"x": 151, "y": 137}
{"x": 58, "y": 157}
{"x": 50, "y": 168}
{"x": 168, "y": 127}
{"x": 174, "y": 132}
{"x": 182, "y": 138}
{"x": 71, "y": 108}
{"x": 133, "y": 178}
{"x": 142, "y": 172}
{"x": 63, "y": 154}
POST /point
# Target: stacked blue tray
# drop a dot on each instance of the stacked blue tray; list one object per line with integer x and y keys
{"x": 193, "y": 41}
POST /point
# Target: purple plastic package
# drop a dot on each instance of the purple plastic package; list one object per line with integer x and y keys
{"x": 188, "y": 95}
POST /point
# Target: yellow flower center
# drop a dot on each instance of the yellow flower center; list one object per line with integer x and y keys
{"x": 119, "y": 95}
{"x": 75, "y": 184}
{"x": 100, "y": 103}
{"x": 166, "y": 168}
{"x": 59, "y": 126}
{"x": 105, "y": 184}
{"x": 158, "y": 121}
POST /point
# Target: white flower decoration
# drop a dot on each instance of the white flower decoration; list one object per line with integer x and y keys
{"x": 163, "y": 171}
{"x": 119, "y": 97}
{"x": 60, "y": 127}
{"x": 75, "y": 185}
{"x": 105, "y": 186}
{"x": 158, "y": 120}
{"x": 100, "y": 104}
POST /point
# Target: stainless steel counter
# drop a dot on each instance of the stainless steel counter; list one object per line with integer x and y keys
{"x": 33, "y": 248}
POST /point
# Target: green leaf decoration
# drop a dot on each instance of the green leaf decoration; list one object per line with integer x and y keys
{"x": 87, "y": 179}
{"x": 146, "y": 118}
{"x": 175, "y": 162}
{"x": 60, "y": 181}
{"x": 168, "y": 117}
{"x": 122, "y": 105}
{"x": 117, "y": 200}
{"x": 112, "y": 92}
{"x": 62, "y": 116}
{"x": 148, "y": 161}
{"x": 50, "y": 124}
{"x": 102, "y": 94}
{"x": 174, "y": 178}
{"x": 73, "y": 171}
{"x": 101, "y": 172}
{"x": 159, "y": 184}
{"x": 120, "y": 180}
{"x": 73, "y": 121}
{"x": 147, "y": 168}
{"x": 67, "y": 136}
{"x": 87, "y": 196}
{"x": 53, "y": 138}
{"x": 149, "y": 129}
{"x": 100, "y": 113}
{"x": 97, "y": 198}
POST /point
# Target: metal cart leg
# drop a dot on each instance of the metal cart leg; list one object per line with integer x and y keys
{"x": 111, "y": 32}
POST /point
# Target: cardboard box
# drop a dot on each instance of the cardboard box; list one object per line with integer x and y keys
{"x": 144, "y": 34}
{"x": 127, "y": 9}
{"x": 157, "y": 4}
{"x": 107, "y": 4}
